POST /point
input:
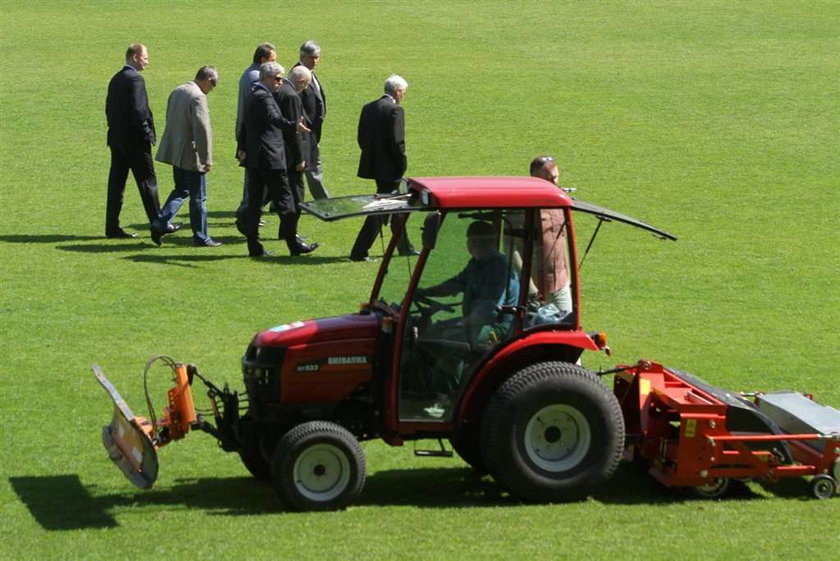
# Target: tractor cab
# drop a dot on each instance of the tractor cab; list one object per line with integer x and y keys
{"x": 494, "y": 287}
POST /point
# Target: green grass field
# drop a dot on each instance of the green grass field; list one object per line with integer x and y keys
{"x": 711, "y": 119}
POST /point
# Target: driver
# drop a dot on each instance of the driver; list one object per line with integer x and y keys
{"x": 486, "y": 282}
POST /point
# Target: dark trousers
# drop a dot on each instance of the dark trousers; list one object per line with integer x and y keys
{"x": 373, "y": 225}
{"x": 138, "y": 159}
{"x": 276, "y": 182}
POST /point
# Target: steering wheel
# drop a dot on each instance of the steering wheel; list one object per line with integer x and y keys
{"x": 428, "y": 307}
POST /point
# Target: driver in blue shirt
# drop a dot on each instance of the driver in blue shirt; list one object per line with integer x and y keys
{"x": 486, "y": 282}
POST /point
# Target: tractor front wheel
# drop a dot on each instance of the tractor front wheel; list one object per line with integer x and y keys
{"x": 552, "y": 432}
{"x": 318, "y": 466}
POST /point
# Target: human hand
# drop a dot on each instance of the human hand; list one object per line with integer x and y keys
{"x": 301, "y": 127}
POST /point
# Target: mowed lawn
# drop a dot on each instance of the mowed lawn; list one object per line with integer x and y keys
{"x": 715, "y": 120}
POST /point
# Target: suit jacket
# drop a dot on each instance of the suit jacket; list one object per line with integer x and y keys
{"x": 261, "y": 136}
{"x": 187, "y": 141}
{"x": 127, "y": 110}
{"x": 246, "y": 84}
{"x": 297, "y": 143}
{"x": 314, "y": 105}
{"x": 381, "y": 136}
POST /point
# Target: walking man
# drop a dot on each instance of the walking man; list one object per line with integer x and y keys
{"x": 187, "y": 145}
{"x": 381, "y": 136}
{"x": 265, "y": 52}
{"x": 315, "y": 108}
{"x": 131, "y": 134}
{"x": 261, "y": 148}
{"x": 299, "y": 145}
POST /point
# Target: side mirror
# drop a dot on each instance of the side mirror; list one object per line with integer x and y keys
{"x": 431, "y": 225}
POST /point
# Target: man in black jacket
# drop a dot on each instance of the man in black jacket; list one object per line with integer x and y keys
{"x": 314, "y": 102}
{"x": 131, "y": 134}
{"x": 299, "y": 145}
{"x": 381, "y": 136}
{"x": 261, "y": 147}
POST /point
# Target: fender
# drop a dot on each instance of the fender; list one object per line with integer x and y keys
{"x": 517, "y": 354}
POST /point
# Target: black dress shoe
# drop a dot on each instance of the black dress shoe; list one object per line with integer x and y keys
{"x": 364, "y": 258}
{"x": 174, "y": 227}
{"x": 156, "y": 235}
{"x": 409, "y": 252}
{"x": 303, "y": 248}
{"x": 208, "y": 243}
{"x": 120, "y": 235}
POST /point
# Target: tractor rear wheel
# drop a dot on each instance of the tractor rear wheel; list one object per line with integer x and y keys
{"x": 318, "y": 466}
{"x": 552, "y": 432}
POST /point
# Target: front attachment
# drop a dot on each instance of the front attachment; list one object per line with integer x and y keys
{"x": 128, "y": 439}
{"x": 132, "y": 442}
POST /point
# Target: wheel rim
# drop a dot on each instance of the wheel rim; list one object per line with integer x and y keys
{"x": 824, "y": 487}
{"x": 714, "y": 488}
{"x": 322, "y": 472}
{"x": 557, "y": 438}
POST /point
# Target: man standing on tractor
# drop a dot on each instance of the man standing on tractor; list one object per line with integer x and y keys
{"x": 555, "y": 288}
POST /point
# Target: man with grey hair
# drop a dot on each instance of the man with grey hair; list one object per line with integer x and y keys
{"x": 187, "y": 144}
{"x": 261, "y": 148}
{"x": 381, "y": 137}
{"x": 265, "y": 52}
{"x": 315, "y": 109}
{"x": 298, "y": 144}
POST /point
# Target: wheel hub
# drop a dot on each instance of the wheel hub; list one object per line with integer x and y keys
{"x": 557, "y": 437}
{"x": 322, "y": 472}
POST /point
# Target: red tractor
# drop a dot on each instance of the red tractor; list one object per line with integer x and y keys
{"x": 476, "y": 340}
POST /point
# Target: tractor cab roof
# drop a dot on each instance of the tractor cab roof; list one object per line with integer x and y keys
{"x": 488, "y": 192}
{"x": 475, "y": 192}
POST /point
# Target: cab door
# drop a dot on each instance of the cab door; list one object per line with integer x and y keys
{"x": 462, "y": 306}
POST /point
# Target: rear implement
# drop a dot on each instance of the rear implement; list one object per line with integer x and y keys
{"x": 696, "y": 436}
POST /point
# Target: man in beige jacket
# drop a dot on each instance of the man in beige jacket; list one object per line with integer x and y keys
{"x": 187, "y": 145}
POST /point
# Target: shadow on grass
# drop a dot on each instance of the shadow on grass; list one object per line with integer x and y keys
{"x": 62, "y": 503}
{"x": 48, "y": 238}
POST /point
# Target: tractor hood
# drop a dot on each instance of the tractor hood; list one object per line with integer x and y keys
{"x": 339, "y": 328}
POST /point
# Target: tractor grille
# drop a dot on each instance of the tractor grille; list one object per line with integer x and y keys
{"x": 261, "y": 371}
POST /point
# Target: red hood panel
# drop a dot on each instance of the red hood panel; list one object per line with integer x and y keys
{"x": 351, "y": 326}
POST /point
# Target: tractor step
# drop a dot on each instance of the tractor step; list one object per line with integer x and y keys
{"x": 796, "y": 413}
{"x": 442, "y": 452}
{"x": 433, "y": 453}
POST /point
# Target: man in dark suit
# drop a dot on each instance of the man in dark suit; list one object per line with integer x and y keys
{"x": 131, "y": 134}
{"x": 298, "y": 144}
{"x": 381, "y": 136}
{"x": 315, "y": 109}
{"x": 261, "y": 147}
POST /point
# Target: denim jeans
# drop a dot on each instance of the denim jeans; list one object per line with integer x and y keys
{"x": 192, "y": 185}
